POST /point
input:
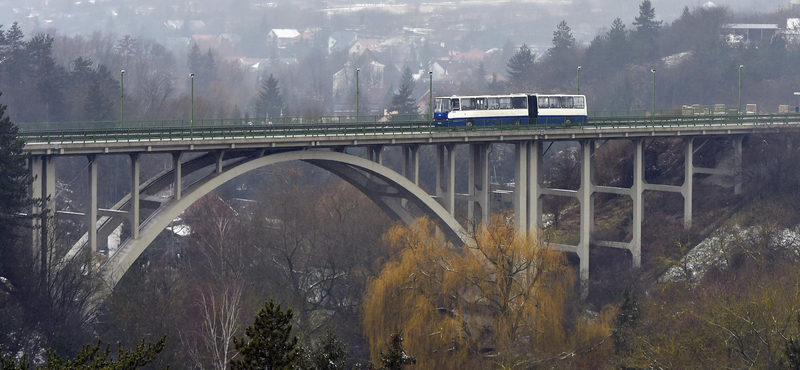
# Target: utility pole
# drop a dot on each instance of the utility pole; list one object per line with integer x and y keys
{"x": 430, "y": 95}
{"x": 358, "y": 95}
{"x": 741, "y": 67}
{"x": 579, "y": 80}
{"x": 191, "y": 118}
{"x": 653, "y": 113}
{"x": 122, "y": 98}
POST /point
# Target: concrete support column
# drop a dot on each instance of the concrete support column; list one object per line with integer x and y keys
{"x": 375, "y": 154}
{"x": 445, "y": 176}
{"x": 521, "y": 184}
{"x": 36, "y": 171}
{"x": 43, "y": 192}
{"x": 176, "y": 167}
{"x": 737, "y": 152}
{"x": 686, "y": 189}
{"x": 410, "y": 166}
{"x": 479, "y": 183}
{"x": 91, "y": 213}
{"x": 535, "y": 178}
{"x": 220, "y": 158}
{"x": 637, "y": 196}
{"x": 133, "y": 211}
{"x": 585, "y": 196}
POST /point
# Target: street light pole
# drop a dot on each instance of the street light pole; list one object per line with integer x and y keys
{"x": 358, "y": 96}
{"x": 797, "y": 110}
{"x": 122, "y": 98}
{"x": 579, "y": 80}
{"x": 653, "y": 113}
{"x": 430, "y": 95}
{"x": 741, "y": 67}
{"x": 191, "y": 118}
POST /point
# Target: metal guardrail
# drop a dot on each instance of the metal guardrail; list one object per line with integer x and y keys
{"x": 348, "y": 126}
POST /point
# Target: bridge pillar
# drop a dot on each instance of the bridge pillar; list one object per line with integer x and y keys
{"x": 737, "y": 152}
{"x": 521, "y": 184}
{"x": 43, "y": 192}
{"x": 375, "y": 153}
{"x": 133, "y": 212}
{"x": 586, "y": 199}
{"x": 446, "y": 176}
{"x": 219, "y": 159}
{"x": 686, "y": 189}
{"x": 176, "y": 166}
{"x": 637, "y": 195}
{"x": 410, "y": 166}
{"x": 535, "y": 178}
{"x": 479, "y": 190}
{"x": 91, "y": 213}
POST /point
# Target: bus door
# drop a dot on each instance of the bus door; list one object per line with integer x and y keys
{"x": 533, "y": 110}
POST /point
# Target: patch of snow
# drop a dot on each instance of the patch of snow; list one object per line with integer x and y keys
{"x": 675, "y": 59}
{"x": 712, "y": 252}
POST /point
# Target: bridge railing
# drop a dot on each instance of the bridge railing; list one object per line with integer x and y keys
{"x": 350, "y": 126}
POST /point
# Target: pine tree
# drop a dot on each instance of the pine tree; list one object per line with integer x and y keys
{"x": 13, "y": 177}
{"x": 330, "y": 353}
{"x": 618, "y": 49}
{"x": 625, "y": 322}
{"x": 395, "y": 357}
{"x": 521, "y": 69}
{"x": 646, "y": 35}
{"x": 94, "y": 358}
{"x": 479, "y": 78}
{"x": 194, "y": 60}
{"x": 270, "y": 344}
{"x": 403, "y": 100}
{"x": 270, "y": 100}
{"x": 209, "y": 73}
{"x": 97, "y": 106}
{"x": 562, "y": 39}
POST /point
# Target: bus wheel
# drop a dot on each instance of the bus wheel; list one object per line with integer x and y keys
{"x": 568, "y": 121}
{"x": 470, "y": 123}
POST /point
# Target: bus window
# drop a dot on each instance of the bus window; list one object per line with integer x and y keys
{"x": 543, "y": 103}
{"x": 468, "y": 104}
{"x": 494, "y": 103}
{"x": 480, "y": 104}
{"x": 519, "y": 103}
{"x": 554, "y": 102}
{"x": 437, "y": 105}
{"x": 454, "y": 104}
{"x": 580, "y": 103}
{"x": 567, "y": 102}
{"x": 505, "y": 103}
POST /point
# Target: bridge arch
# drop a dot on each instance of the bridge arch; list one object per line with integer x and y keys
{"x": 359, "y": 172}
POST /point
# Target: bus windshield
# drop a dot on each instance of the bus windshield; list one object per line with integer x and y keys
{"x": 442, "y": 105}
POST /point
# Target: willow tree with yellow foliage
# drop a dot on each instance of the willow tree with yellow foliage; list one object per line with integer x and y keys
{"x": 501, "y": 302}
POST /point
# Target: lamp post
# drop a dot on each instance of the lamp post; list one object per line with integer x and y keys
{"x": 653, "y": 113}
{"x": 430, "y": 96}
{"x": 122, "y": 98}
{"x": 579, "y": 80}
{"x": 191, "y": 117}
{"x": 358, "y": 97}
{"x": 741, "y": 67}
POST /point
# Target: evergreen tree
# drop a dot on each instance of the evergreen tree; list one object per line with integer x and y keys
{"x": 194, "y": 60}
{"x": 209, "y": 73}
{"x": 792, "y": 352}
{"x": 330, "y": 353}
{"x": 618, "y": 49}
{"x": 48, "y": 77}
{"x": 403, "y": 100}
{"x": 562, "y": 39}
{"x": 13, "y": 176}
{"x": 395, "y": 357}
{"x": 97, "y": 106}
{"x": 495, "y": 86}
{"x": 93, "y": 358}
{"x": 479, "y": 78}
{"x": 270, "y": 100}
{"x": 271, "y": 345}
{"x": 521, "y": 69}
{"x": 646, "y": 35}
{"x": 625, "y": 322}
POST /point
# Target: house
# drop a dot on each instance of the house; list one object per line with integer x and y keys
{"x": 472, "y": 56}
{"x": 749, "y": 32}
{"x": 282, "y": 36}
{"x": 361, "y": 45}
{"x": 341, "y": 40}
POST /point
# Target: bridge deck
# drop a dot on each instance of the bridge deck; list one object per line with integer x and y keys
{"x": 113, "y": 138}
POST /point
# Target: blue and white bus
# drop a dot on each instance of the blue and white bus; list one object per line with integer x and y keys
{"x": 512, "y": 109}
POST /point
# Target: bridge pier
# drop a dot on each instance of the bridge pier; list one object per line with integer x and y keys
{"x": 91, "y": 213}
{"x": 478, "y": 182}
{"x": 446, "y": 176}
{"x": 688, "y": 180}
{"x": 521, "y": 184}
{"x": 133, "y": 210}
{"x": 586, "y": 199}
{"x": 535, "y": 179}
{"x": 43, "y": 209}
